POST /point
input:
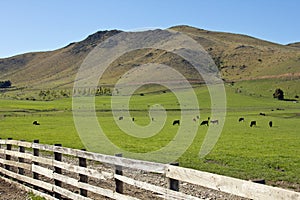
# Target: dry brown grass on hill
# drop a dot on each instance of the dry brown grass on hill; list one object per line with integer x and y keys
{"x": 243, "y": 57}
{"x": 296, "y": 44}
{"x": 238, "y": 57}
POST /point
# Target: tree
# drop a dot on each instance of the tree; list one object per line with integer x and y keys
{"x": 278, "y": 94}
{"x": 5, "y": 84}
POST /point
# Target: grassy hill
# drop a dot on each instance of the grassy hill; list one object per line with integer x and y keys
{"x": 239, "y": 57}
{"x": 296, "y": 44}
{"x": 52, "y": 69}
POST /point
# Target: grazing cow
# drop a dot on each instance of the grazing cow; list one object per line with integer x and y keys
{"x": 198, "y": 117}
{"x": 252, "y": 123}
{"x": 270, "y": 123}
{"x": 121, "y": 118}
{"x": 35, "y": 123}
{"x": 133, "y": 119}
{"x": 194, "y": 119}
{"x": 205, "y": 122}
{"x": 262, "y": 114}
{"x": 152, "y": 118}
{"x": 214, "y": 121}
{"x": 241, "y": 119}
{"x": 177, "y": 121}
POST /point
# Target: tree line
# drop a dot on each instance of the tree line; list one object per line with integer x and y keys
{"x": 99, "y": 91}
{"x": 56, "y": 94}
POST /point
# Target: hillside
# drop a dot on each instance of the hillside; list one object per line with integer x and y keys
{"x": 296, "y": 44}
{"x": 239, "y": 57}
{"x": 242, "y": 57}
{"x": 50, "y": 69}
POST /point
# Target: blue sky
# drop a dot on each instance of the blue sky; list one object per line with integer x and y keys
{"x": 40, "y": 25}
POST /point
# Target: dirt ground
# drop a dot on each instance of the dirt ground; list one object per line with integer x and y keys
{"x": 9, "y": 191}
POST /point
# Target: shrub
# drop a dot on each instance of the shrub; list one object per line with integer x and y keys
{"x": 278, "y": 94}
{"x": 5, "y": 84}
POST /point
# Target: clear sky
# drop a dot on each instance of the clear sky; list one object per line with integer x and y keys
{"x": 40, "y": 25}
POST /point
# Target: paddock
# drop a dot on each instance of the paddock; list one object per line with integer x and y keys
{"x": 236, "y": 138}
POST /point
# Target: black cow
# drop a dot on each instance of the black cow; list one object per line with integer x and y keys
{"x": 241, "y": 119}
{"x": 121, "y": 118}
{"x": 270, "y": 123}
{"x": 252, "y": 123}
{"x": 133, "y": 119}
{"x": 177, "y": 121}
{"x": 35, "y": 123}
{"x": 205, "y": 122}
{"x": 262, "y": 114}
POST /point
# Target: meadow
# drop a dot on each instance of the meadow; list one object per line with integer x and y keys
{"x": 248, "y": 153}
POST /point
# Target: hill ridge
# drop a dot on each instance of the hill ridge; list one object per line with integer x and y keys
{"x": 238, "y": 57}
{"x": 294, "y": 44}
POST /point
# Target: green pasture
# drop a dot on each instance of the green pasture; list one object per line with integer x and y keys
{"x": 266, "y": 87}
{"x": 241, "y": 151}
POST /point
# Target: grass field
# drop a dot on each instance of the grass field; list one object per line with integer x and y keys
{"x": 241, "y": 151}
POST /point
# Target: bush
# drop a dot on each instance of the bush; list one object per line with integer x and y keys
{"x": 278, "y": 94}
{"x": 5, "y": 84}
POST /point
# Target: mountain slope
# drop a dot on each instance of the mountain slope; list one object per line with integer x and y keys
{"x": 242, "y": 57}
{"x": 53, "y": 68}
{"x": 296, "y": 44}
{"x": 239, "y": 57}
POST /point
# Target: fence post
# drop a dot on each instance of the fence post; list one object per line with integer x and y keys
{"x": 21, "y": 160}
{"x": 57, "y": 157}
{"x": 83, "y": 178}
{"x": 8, "y": 157}
{"x": 36, "y": 152}
{"x": 173, "y": 183}
{"x": 1, "y": 164}
{"x": 118, "y": 170}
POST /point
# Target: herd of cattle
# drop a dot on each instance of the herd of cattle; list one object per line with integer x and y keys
{"x": 204, "y": 122}
{"x": 209, "y": 121}
{"x": 216, "y": 121}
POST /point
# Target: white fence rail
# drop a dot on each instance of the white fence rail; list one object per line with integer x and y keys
{"x": 40, "y": 168}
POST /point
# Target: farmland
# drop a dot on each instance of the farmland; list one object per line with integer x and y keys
{"x": 241, "y": 151}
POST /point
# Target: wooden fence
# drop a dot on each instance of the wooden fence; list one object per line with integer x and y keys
{"x": 56, "y": 172}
